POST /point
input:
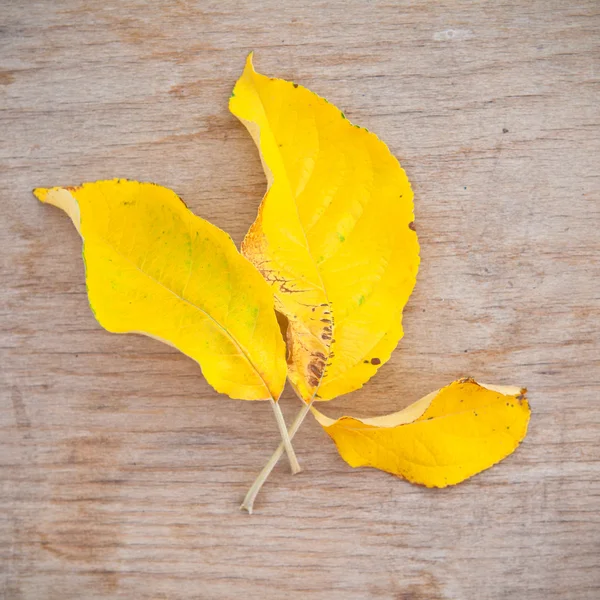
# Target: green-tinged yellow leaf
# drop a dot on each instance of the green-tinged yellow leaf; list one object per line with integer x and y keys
{"x": 333, "y": 237}
{"x": 153, "y": 267}
{"x": 439, "y": 440}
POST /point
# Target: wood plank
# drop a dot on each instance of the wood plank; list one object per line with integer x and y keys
{"x": 121, "y": 471}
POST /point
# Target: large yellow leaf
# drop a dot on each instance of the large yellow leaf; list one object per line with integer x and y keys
{"x": 333, "y": 237}
{"x": 439, "y": 440}
{"x": 153, "y": 267}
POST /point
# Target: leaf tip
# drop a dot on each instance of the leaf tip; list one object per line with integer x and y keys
{"x": 246, "y": 76}
{"x": 41, "y": 193}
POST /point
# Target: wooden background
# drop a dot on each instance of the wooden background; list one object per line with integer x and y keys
{"x": 122, "y": 471}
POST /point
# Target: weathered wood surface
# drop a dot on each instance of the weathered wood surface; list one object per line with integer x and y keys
{"x": 122, "y": 471}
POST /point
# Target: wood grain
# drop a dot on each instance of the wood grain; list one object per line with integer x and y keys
{"x": 122, "y": 471}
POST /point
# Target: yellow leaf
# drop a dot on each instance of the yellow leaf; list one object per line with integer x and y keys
{"x": 153, "y": 267}
{"x": 440, "y": 440}
{"x": 334, "y": 234}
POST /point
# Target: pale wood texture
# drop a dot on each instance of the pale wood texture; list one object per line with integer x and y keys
{"x": 122, "y": 471}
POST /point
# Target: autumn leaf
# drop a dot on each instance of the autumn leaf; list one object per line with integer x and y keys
{"x": 440, "y": 440}
{"x": 153, "y": 267}
{"x": 334, "y": 236}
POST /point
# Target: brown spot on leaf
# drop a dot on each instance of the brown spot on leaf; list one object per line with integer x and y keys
{"x": 411, "y": 225}
{"x": 375, "y": 361}
{"x": 316, "y": 368}
{"x": 283, "y": 323}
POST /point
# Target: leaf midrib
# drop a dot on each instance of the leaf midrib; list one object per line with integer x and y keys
{"x": 316, "y": 266}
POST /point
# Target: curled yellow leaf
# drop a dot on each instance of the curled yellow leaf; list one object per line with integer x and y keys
{"x": 440, "y": 440}
{"x": 334, "y": 236}
{"x": 155, "y": 268}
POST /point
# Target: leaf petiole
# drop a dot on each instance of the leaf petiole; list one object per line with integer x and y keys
{"x": 286, "y": 439}
{"x": 248, "y": 502}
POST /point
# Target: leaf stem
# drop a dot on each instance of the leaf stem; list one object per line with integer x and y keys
{"x": 248, "y": 502}
{"x": 286, "y": 439}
